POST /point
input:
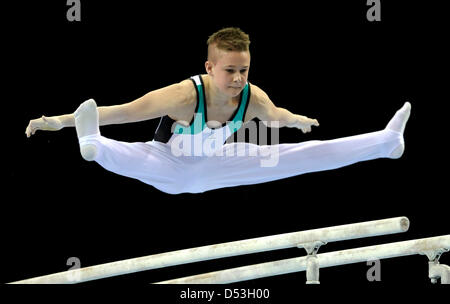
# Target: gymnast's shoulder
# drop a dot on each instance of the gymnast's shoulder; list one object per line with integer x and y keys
{"x": 258, "y": 95}
{"x": 258, "y": 104}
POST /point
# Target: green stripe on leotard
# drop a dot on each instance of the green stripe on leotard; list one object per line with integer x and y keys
{"x": 199, "y": 122}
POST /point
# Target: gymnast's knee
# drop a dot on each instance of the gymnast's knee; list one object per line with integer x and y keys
{"x": 88, "y": 152}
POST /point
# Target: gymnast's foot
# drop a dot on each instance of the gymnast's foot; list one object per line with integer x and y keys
{"x": 398, "y": 124}
{"x": 86, "y": 123}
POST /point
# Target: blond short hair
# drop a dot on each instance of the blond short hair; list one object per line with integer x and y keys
{"x": 229, "y": 39}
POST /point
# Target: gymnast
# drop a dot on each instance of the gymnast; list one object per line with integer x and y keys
{"x": 204, "y": 111}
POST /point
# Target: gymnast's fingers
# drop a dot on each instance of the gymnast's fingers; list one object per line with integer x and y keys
{"x": 28, "y": 130}
{"x": 32, "y": 128}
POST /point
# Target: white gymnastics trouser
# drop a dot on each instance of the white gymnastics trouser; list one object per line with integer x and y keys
{"x": 153, "y": 162}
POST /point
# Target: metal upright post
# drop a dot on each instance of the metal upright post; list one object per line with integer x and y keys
{"x": 312, "y": 262}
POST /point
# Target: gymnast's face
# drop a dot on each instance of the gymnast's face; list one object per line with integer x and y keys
{"x": 228, "y": 70}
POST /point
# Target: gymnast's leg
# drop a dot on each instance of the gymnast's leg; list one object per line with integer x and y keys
{"x": 312, "y": 156}
{"x": 151, "y": 163}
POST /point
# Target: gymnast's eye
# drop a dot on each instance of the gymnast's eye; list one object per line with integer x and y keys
{"x": 230, "y": 71}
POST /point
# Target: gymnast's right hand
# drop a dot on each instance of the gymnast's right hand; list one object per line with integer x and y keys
{"x": 43, "y": 123}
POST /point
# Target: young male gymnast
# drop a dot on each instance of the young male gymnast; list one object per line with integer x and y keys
{"x": 189, "y": 153}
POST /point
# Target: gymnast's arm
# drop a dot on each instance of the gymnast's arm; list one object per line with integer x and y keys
{"x": 169, "y": 100}
{"x": 275, "y": 117}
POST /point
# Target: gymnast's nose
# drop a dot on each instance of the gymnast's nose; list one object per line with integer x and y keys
{"x": 237, "y": 78}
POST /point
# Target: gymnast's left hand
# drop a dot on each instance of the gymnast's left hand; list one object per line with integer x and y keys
{"x": 303, "y": 123}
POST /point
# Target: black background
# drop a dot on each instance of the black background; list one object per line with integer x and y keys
{"x": 322, "y": 59}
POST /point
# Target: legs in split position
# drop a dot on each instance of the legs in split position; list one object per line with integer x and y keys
{"x": 154, "y": 164}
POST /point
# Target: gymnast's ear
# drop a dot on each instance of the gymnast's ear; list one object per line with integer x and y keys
{"x": 209, "y": 67}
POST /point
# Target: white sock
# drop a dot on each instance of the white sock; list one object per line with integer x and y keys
{"x": 86, "y": 123}
{"x": 398, "y": 124}
{"x": 86, "y": 119}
